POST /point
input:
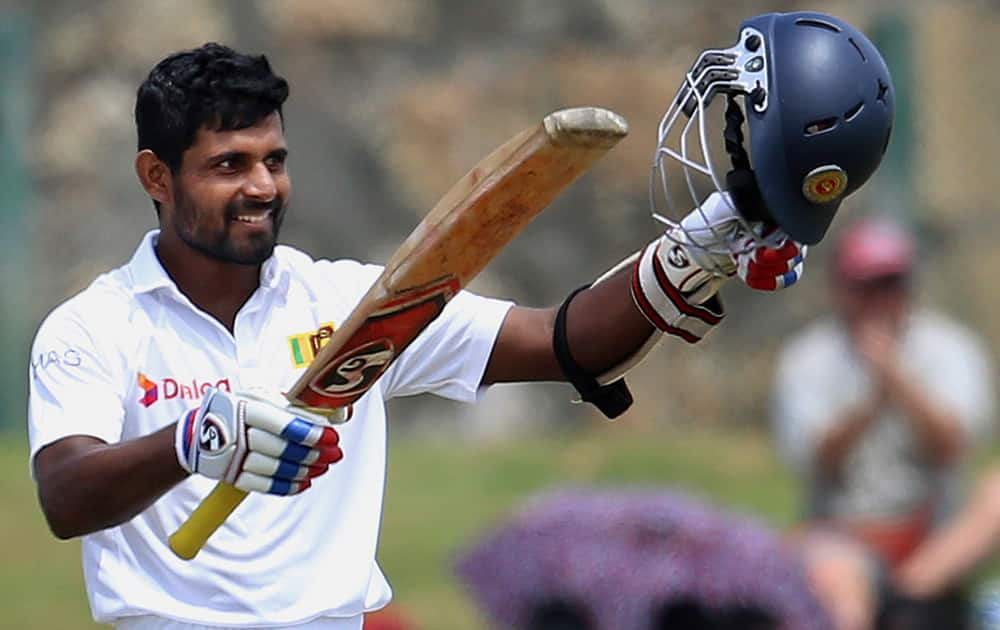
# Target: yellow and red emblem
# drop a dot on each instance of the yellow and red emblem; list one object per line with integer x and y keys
{"x": 824, "y": 184}
{"x": 305, "y": 346}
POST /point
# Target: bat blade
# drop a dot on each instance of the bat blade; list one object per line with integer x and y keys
{"x": 471, "y": 224}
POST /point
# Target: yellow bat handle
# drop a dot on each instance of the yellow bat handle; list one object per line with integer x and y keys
{"x": 191, "y": 536}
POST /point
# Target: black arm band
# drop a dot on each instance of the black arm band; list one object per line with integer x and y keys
{"x": 612, "y": 399}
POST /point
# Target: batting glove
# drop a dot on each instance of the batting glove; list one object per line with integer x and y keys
{"x": 771, "y": 268}
{"x": 254, "y": 444}
{"x": 676, "y": 281}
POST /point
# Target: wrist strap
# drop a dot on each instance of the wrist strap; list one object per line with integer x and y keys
{"x": 184, "y": 439}
{"x": 612, "y": 399}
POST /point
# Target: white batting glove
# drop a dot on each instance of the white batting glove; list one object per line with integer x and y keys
{"x": 254, "y": 444}
{"x": 679, "y": 274}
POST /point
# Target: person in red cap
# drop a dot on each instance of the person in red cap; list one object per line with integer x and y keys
{"x": 877, "y": 409}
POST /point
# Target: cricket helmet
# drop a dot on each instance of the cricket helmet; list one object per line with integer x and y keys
{"x": 818, "y": 103}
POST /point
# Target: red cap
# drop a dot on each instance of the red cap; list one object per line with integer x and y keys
{"x": 873, "y": 248}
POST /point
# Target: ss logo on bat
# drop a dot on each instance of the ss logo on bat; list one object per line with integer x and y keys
{"x": 356, "y": 371}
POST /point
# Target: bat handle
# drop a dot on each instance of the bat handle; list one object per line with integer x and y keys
{"x": 193, "y": 533}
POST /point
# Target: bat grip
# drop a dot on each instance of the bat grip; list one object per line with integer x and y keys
{"x": 193, "y": 533}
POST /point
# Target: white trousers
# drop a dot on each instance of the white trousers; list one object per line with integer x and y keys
{"x": 147, "y": 622}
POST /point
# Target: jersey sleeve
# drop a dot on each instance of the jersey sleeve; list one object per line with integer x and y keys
{"x": 72, "y": 385}
{"x": 803, "y": 407}
{"x": 449, "y": 357}
{"x": 963, "y": 382}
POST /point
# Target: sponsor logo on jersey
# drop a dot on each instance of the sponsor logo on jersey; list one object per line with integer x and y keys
{"x": 70, "y": 357}
{"x": 151, "y": 393}
{"x": 304, "y": 346}
{"x": 169, "y": 388}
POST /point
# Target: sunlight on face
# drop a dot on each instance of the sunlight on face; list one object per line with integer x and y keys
{"x": 231, "y": 192}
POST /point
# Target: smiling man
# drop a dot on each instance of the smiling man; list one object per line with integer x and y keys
{"x": 224, "y": 171}
{"x": 180, "y": 355}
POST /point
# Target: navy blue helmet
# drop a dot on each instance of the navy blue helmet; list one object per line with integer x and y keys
{"x": 816, "y": 98}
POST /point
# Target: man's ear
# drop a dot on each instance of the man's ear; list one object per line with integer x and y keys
{"x": 154, "y": 175}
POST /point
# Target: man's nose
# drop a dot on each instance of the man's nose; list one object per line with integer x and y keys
{"x": 260, "y": 184}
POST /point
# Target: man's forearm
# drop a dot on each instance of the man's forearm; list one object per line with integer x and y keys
{"x": 604, "y": 327}
{"x": 939, "y": 431}
{"x": 844, "y": 435}
{"x": 85, "y": 485}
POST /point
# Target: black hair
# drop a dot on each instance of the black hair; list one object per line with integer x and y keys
{"x": 211, "y": 86}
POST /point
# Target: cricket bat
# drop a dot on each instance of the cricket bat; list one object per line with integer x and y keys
{"x": 471, "y": 223}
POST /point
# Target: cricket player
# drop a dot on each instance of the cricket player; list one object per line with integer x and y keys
{"x": 164, "y": 375}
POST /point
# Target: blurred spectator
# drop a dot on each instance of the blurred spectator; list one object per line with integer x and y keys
{"x": 877, "y": 409}
{"x": 954, "y": 551}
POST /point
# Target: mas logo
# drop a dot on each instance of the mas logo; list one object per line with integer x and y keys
{"x": 169, "y": 388}
{"x": 305, "y": 346}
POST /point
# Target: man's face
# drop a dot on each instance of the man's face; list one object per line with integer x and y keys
{"x": 885, "y": 300}
{"x": 230, "y": 193}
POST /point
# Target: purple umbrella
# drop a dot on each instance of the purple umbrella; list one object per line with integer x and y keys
{"x": 626, "y": 558}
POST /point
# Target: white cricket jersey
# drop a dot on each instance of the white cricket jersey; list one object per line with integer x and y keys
{"x": 131, "y": 353}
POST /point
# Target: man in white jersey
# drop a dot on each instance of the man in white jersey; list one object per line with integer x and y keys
{"x": 878, "y": 410}
{"x": 162, "y": 377}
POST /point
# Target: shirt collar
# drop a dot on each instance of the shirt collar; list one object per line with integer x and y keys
{"x": 149, "y": 275}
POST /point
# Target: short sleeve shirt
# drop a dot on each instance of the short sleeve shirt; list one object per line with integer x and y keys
{"x": 131, "y": 353}
{"x": 820, "y": 378}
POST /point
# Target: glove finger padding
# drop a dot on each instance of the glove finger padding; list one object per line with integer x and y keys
{"x": 261, "y": 441}
{"x": 772, "y": 269}
{"x": 282, "y": 468}
{"x": 264, "y": 415}
{"x": 252, "y": 482}
{"x": 777, "y": 258}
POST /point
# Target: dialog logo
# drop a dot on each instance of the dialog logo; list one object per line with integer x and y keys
{"x": 151, "y": 393}
{"x": 169, "y": 388}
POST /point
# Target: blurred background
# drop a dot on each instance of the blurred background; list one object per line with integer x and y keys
{"x": 393, "y": 100}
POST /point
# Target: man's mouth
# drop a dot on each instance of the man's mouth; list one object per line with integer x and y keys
{"x": 253, "y": 218}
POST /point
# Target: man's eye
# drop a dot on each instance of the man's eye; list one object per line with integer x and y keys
{"x": 226, "y": 164}
{"x": 275, "y": 163}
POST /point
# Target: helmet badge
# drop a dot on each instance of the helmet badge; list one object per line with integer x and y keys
{"x": 823, "y": 184}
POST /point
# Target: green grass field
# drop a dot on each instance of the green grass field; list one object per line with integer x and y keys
{"x": 441, "y": 496}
